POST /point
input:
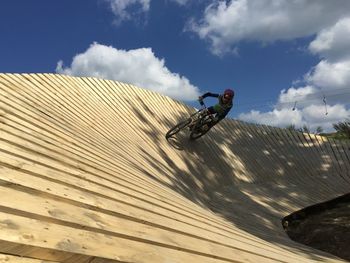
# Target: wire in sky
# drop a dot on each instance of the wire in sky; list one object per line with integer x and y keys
{"x": 319, "y": 97}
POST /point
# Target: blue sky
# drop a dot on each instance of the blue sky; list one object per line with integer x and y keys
{"x": 273, "y": 53}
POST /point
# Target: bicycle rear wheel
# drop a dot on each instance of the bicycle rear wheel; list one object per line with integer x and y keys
{"x": 178, "y": 127}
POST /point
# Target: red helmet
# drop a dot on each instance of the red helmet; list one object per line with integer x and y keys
{"x": 229, "y": 93}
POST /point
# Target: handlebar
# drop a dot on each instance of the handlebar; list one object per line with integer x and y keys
{"x": 201, "y": 102}
{"x": 204, "y": 107}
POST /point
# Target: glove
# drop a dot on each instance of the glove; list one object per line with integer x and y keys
{"x": 200, "y": 99}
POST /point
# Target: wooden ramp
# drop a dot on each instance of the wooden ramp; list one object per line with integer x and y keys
{"x": 86, "y": 175}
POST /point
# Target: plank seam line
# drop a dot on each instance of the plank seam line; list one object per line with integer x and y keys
{"x": 104, "y": 196}
{"x": 21, "y": 188}
{"x": 16, "y": 212}
{"x": 199, "y": 214}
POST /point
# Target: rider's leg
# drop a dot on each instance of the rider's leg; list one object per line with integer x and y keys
{"x": 211, "y": 110}
{"x": 209, "y": 125}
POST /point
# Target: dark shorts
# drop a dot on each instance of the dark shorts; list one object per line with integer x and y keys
{"x": 212, "y": 110}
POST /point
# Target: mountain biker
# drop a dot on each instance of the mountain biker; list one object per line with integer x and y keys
{"x": 222, "y": 108}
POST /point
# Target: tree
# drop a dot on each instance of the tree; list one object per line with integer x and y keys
{"x": 319, "y": 130}
{"x": 343, "y": 128}
{"x": 305, "y": 129}
{"x": 291, "y": 127}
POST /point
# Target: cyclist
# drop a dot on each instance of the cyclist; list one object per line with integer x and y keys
{"x": 222, "y": 108}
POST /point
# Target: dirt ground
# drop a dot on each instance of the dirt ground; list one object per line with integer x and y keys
{"x": 325, "y": 227}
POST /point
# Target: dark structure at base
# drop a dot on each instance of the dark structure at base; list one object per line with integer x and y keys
{"x": 324, "y": 226}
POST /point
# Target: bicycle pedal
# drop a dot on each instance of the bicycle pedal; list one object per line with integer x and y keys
{"x": 205, "y": 127}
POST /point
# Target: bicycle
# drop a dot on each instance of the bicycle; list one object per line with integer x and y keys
{"x": 196, "y": 124}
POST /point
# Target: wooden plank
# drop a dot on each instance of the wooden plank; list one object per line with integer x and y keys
{"x": 277, "y": 151}
{"x": 15, "y": 259}
{"x": 81, "y": 198}
{"x": 41, "y": 207}
{"x": 67, "y": 243}
{"x": 70, "y": 158}
{"x": 342, "y": 161}
{"x": 322, "y": 177}
{"x": 298, "y": 166}
{"x": 328, "y": 170}
{"x": 234, "y": 150}
{"x": 330, "y": 152}
{"x": 94, "y": 147}
{"x": 258, "y": 167}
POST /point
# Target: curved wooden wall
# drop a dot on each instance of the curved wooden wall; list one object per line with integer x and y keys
{"x": 86, "y": 175}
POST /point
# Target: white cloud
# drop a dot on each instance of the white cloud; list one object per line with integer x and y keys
{"x": 316, "y": 112}
{"x": 333, "y": 42}
{"x": 281, "y": 118}
{"x": 138, "y": 66}
{"x": 181, "y": 2}
{"x": 315, "y": 115}
{"x": 293, "y": 95}
{"x": 308, "y": 103}
{"x": 131, "y": 9}
{"x": 330, "y": 76}
{"x": 311, "y": 116}
{"x": 225, "y": 23}
{"x": 126, "y": 9}
{"x": 309, "y": 106}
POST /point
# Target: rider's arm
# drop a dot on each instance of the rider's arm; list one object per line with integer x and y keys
{"x": 209, "y": 94}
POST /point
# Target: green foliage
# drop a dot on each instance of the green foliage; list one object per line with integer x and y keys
{"x": 291, "y": 127}
{"x": 305, "y": 129}
{"x": 319, "y": 130}
{"x": 343, "y": 129}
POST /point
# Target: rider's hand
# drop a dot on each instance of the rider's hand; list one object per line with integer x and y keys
{"x": 200, "y": 99}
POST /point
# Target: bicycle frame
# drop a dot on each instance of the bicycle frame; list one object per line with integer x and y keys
{"x": 195, "y": 122}
{"x": 202, "y": 113}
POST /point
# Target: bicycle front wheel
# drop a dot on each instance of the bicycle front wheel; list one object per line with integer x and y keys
{"x": 177, "y": 128}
